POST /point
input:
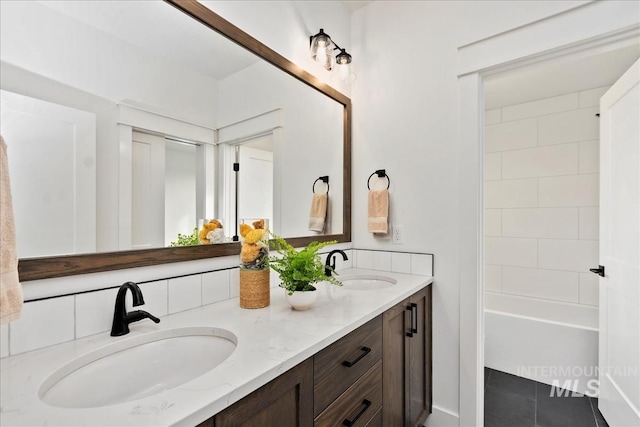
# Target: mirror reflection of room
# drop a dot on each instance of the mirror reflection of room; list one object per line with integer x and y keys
{"x": 125, "y": 82}
{"x": 255, "y": 178}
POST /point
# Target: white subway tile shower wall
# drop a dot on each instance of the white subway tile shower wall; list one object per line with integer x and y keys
{"x": 84, "y": 314}
{"x": 541, "y": 198}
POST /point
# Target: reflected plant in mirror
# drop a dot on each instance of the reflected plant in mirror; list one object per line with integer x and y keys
{"x": 186, "y": 239}
{"x": 140, "y": 133}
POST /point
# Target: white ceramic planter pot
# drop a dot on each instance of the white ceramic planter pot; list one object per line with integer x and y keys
{"x": 301, "y": 300}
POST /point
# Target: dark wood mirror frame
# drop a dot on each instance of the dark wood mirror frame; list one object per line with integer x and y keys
{"x": 59, "y": 266}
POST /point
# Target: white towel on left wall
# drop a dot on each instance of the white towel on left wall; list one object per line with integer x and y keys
{"x": 10, "y": 289}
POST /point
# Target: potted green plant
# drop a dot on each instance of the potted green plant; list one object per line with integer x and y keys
{"x": 299, "y": 270}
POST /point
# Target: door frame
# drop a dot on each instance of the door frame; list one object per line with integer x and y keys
{"x": 586, "y": 27}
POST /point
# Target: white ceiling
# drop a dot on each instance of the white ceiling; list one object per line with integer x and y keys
{"x": 353, "y": 5}
{"x": 559, "y": 77}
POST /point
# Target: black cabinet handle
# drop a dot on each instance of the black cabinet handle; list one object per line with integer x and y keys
{"x": 599, "y": 271}
{"x": 414, "y": 317}
{"x": 349, "y": 423}
{"x": 365, "y": 351}
{"x": 410, "y": 333}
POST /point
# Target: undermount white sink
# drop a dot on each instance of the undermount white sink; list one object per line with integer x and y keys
{"x": 364, "y": 282}
{"x": 137, "y": 367}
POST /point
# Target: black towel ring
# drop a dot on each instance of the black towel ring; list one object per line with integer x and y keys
{"x": 324, "y": 179}
{"x": 381, "y": 173}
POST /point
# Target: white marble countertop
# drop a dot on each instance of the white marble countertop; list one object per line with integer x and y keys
{"x": 271, "y": 340}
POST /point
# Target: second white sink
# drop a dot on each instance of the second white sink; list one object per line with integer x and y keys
{"x": 137, "y": 367}
{"x": 363, "y": 282}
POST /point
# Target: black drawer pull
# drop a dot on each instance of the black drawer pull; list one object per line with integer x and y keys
{"x": 365, "y": 351}
{"x": 414, "y": 317}
{"x": 349, "y": 423}
{"x": 410, "y": 333}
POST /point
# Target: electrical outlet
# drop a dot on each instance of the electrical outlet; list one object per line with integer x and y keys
{"x": 396, "y": 237}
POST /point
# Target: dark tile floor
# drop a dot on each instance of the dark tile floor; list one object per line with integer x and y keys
{"x": 511, "y": 401}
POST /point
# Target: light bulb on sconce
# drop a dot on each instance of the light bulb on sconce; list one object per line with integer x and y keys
{"x": 342, "y": 69}
{"x": 324, "y": 59}
{"x": 321, "y": 49}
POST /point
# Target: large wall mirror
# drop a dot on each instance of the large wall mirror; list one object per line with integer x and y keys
{"x": 129, "y": 124}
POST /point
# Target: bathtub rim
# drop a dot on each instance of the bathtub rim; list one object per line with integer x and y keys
{"x": 588, "y": 316}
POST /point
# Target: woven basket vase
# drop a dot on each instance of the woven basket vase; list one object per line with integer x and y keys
{"x": 254, "y": 288}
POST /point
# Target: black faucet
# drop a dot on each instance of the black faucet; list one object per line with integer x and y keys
{"x": 121, "y": 318}
{"x": 330, "y": 264}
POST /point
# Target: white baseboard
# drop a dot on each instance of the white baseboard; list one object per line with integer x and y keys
{"x": 441, "y": 417}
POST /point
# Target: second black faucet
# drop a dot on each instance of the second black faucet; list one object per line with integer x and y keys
{"x": 330, "y": 264}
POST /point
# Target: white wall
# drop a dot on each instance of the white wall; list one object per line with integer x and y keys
{"x": 541, "y": 198}
{"x": 406, "y": 115}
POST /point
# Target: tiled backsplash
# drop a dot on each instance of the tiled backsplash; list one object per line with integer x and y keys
{"x": 398, "y": 262}
{"x": 53, "y": 320}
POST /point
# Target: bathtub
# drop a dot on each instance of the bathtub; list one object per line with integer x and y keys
{"x": 546, "y": 341}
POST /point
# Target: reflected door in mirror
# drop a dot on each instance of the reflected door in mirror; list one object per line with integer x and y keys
{"x": 51, "y": 150}
{"x": 255, "y": 179}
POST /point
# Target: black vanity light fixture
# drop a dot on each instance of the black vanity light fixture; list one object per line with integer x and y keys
{"x": 321, "y": 49}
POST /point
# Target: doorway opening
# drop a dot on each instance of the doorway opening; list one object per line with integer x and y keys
{"x": 541, "y": 237}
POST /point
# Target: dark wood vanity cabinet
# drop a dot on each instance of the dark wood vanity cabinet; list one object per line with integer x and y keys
{"x": 406, "y": 330}
{"x": 285, "y": 401}
{"x": 348, "y": 378}
{"x": 378, "y": 375}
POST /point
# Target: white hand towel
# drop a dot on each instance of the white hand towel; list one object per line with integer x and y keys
{"x": 378, "y": 211}
{"x": 318, "y": 213}
{"x": 10, "y": 289}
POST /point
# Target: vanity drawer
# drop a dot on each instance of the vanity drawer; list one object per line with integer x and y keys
{"x": 359, "y": 405}
{"x": 332, "y": 375}
{"x": 376, "y": 421}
